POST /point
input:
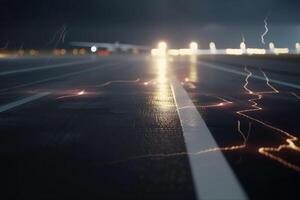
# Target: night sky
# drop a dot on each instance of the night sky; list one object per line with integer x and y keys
{"x": 34, "y": 23}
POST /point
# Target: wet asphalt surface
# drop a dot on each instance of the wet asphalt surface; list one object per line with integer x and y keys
{"x": 99, "y": 144}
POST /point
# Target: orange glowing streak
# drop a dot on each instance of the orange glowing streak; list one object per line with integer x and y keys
{"x": 117, "y": 81}
{"x": 81, "y": 93}
{"x": 209, "y": 150}
{"x": 290, "y": 138}
{"x": 153, "y": 81}
{"x": 224, "y": 103}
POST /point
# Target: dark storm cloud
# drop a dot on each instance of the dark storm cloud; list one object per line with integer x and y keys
{"x": 141, "y": 20}
{"x": 154, "y": 11}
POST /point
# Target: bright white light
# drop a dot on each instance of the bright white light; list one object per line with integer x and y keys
{"x": 212, "y": 46}
{"x": 297, "y": 46}
{"x": 93, "y": 49}
{"x": 271, "y": 45}
{"x": 162, "y": 49}
{"x": 162, "y": 45}
{"x": 194, "y": 46}
{"x": 243, "y": 45}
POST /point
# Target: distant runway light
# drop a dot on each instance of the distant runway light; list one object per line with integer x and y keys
{"x": 243, "y": 45}
{"x": 194, "y": 46}
{"x": 173, "y": 52}
{"x": 271, "y": 45}
{"x": 212, "y": 46}
{"x": 161, "y": 50}
{"x": 162, "y": 45}
{"x": 93, "y": 49}
{"x": 256, "y": 51}
{"x": 281, "y": 50}
{"x": 234, "y": 51}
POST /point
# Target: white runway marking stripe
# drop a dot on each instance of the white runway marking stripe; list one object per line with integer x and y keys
{"x": 59, "y": 77}
{"x": 22, "y": 101}
{"x": 226, "y": 69}
{"x": 45, "y": 67}
{"x": 212, "y": 176}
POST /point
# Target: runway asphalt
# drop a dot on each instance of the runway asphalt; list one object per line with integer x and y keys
{"x": 125, "y": 127}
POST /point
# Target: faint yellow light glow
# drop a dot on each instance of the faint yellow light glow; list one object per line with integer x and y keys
{"x": 63, "y": 52}
{"x": 186, "y": 79}
{"x": 2, "y": 55}
{"x": 193, "y": 71}
{"x": 82, "y": 51}
{"x": 33, "y": 52}
{"x": 154, "y": 52}
{"x": 234, "y": 51}
{"x": 281, "y": 50}
{"x": 173, "y": 52}
{"x": 162, "y": 97}
{"x": 184, "y": 52}
{"x": 162, "y": 70}
{"x": 75, "y": 52}
{"x": 256, "y": 51}
{"x": 21, "y": 52}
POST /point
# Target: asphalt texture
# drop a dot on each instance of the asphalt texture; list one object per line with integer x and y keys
{"x": 101, "y": 124}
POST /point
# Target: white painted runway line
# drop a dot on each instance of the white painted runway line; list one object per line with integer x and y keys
{"x": 20, "y": 102}
{"x": 212, "y": 176}
{"x": 59, "y": 77}
{"x": 30, "y": 69}
{"x": 226, "y": 69}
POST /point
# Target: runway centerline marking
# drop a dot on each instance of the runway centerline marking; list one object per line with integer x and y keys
{"x": 212, "y": 176}
{"x": 225, "y": 69}
{"x": 45, "y": 67}
{"x": 20, "y": 102}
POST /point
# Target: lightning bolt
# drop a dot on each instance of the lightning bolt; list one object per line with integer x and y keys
{"x": 5, "y": 46}
{"x": 266, "y": 31}
{"x": 290, "y": 140}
